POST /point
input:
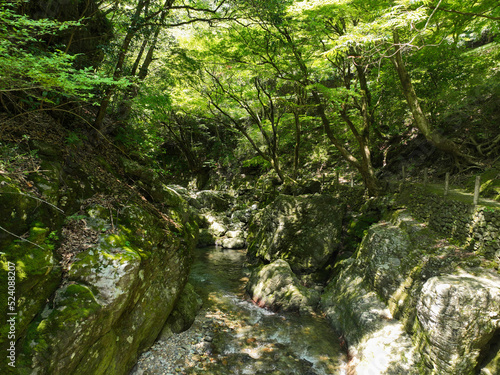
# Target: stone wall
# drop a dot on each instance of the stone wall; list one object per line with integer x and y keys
{"x": 476, "y": 226}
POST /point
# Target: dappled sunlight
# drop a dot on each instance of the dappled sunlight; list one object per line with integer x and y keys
{"x": 248, "y": 339}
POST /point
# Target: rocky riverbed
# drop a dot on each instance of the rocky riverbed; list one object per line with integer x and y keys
{"x": 231, "y": 335}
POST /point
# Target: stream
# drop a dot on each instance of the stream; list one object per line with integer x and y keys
{"x": 251, "y": 340}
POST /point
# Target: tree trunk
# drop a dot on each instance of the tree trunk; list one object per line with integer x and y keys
{"x": 296, "y": 151}
{"x": 419, "y": 117}
{"x": 119, "y": 64}
{"x": 364, "y": 166}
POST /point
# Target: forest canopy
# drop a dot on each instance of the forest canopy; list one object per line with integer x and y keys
{"x": 296, "y": 88}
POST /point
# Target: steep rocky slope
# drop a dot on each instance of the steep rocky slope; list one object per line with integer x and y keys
{"x": 99, "y": 263}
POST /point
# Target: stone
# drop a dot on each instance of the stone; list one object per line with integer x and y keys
{"x": 217, "y": 229}
{"x": 406, "y": 309}
{"x": 140, "y": 268}
{"x": 214, "y": 200}
{"x": 205, "y": 238}
{"x": 275, "y": 286}
{"x": 459, "y": 315}
{"x": 304, "y": 231}
{"x": 184, "y": 313}
{"x": 377, "y": 341}
{"x": 242, "y": 215}
{"x": 233, "y": 243}
{"x": 234, "y": 233}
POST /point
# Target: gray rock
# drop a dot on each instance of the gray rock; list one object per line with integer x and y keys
{"x": 214, "y": 200}
{"x": 205, "y": 238}
{"x": 446, "y": 322}
{"x": 459, "y": 315}
{"x": 184, "y": 312}
{"x": 377, "y": 341}
{"x": 234, "y": 233}
{"x": 85, "y": 328}
{"x": 304, "y": 231}
{"x": 233, "y": 243}
{"x": 276, "y": 286}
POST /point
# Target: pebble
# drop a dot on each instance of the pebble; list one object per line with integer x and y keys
{"x": 185, "y": 352}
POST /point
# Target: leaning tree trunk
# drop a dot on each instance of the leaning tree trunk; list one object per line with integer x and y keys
{"x": 419, "y": 117}
{"x": 364, "y": 165}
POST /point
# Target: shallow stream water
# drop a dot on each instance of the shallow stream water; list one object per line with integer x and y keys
{"x": 252, "y": 340}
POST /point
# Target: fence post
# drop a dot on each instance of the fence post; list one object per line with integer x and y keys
{"x": 446, "y": 183}
{"x": 352, "y": 179}
{"x": 337, "y": 177}
{"x": 477, "y": 187}
{"x": 403, "y": 168}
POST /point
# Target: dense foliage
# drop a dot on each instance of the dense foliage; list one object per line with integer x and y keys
{"x": 295, "y": 87}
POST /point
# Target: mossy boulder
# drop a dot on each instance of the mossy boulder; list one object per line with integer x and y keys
{"x": 416, "y": 300}
{"x": 205, "y": 238}
{"x": 305, "y": 231}
{"x": 275, "y": 286}
{"x": 116, "y": 296}
{"x": 377, "y": 342}
{"x": 37, "y": 276}
{"x": 214, "y": 200}
{"x": 184, "y": 313}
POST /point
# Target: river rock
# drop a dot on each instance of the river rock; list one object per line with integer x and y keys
{"x": 233, "y": 243}
{"x": 205, "y": 238}
{"x": 214, "y": 200}
{"x": 377, "y": 342}
{"x": 235, "y": 234}
{"x": 304, "y": 231}
{"x": 275, "y": 286}
{"x": 117, "y": 294}
{"x": 405, "y": 308}
{"x": 243, "y": 216}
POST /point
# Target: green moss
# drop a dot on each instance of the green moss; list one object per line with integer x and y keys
{"x": 75, "y": 303}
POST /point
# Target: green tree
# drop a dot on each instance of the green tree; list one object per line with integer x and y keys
{"x": 31, "y": 74}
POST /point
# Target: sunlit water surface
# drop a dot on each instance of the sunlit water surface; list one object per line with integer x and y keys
{"x": 253, "y": 340}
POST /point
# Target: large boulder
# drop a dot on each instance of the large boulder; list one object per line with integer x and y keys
{"x": 459, "y": 317}
{"x": 412, "y": 303}
{"x": 93, "y": 289}
{"x": 116, "y": 294}
{"x": 377, "y": 342}
{"x": 183, "y": 314}
{"x": 305, "y": 231}
{"x": 233, "y": 243}
{"x": 275, "y": 286}
{"x": 214, "y": 200}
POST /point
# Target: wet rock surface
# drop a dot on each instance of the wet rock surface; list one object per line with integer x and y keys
{"x": 275, "y": 286}
{"x": 231, "y": 335}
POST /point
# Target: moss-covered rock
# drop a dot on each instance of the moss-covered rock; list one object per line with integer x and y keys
{"x": 184, "y": 312}
{"x": 376, "y": 340}
{"x": 37, "y": 277}
{"x": 404, "y": 296}
{"x": 117, "y": 295}
{"x": 304, "y": 231}
{"x": 275, "y": 286}
{"x": 214, "y": 200}
{"x": 205, "y": 238}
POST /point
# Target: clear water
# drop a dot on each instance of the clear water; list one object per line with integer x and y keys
{"x": 253, "y": 340}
